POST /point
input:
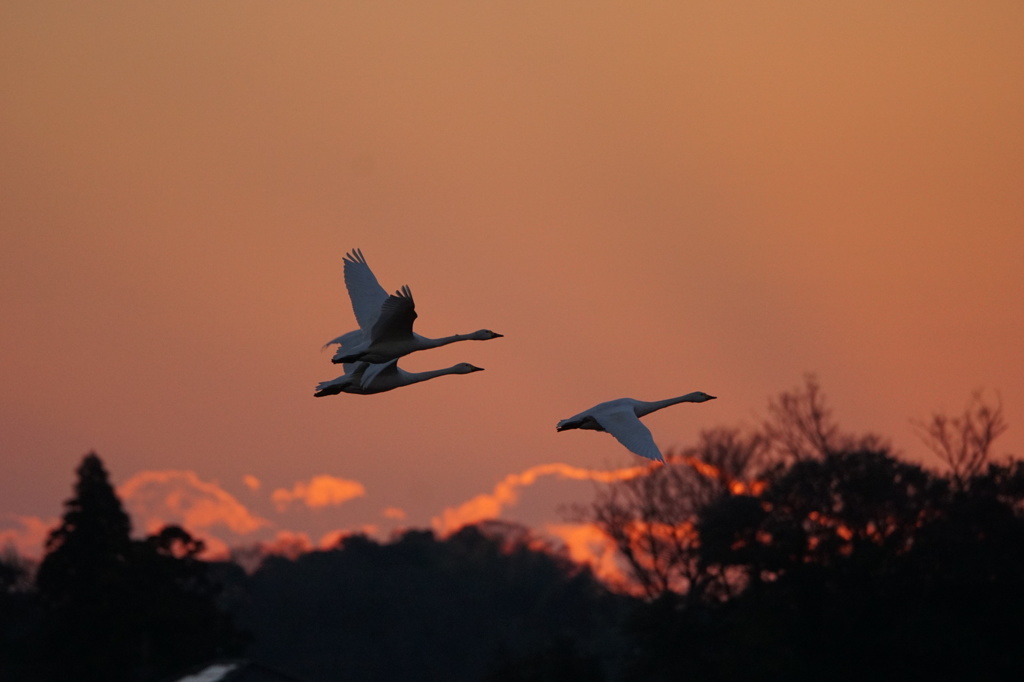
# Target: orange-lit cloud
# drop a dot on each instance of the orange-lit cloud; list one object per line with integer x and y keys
{"x": 214, "y": 548}
{"x": 292, "y": 544}
{"x": 394, "y": 513}
{"x": 320, "y": 491}
{"x": 331, "y": 539}
{"x": 736, "y": 486}
{"x": 29, "y": 538}
{"x": 251, "y": 482}
{"x": 157, "y": 498}
{"x": 287, "y": 544}
{"x": 588, "y": 545}
{"x": 506, "y": 492}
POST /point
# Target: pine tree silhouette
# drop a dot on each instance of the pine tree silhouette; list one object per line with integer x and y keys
{"x": 117, "y": 609}
{"x": 83, "y": 583}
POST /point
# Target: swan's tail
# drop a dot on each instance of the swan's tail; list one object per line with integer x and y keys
{"x": 567, "y": 424}
{"x": 332, "y": 387}
{"x": 343, "y": 357}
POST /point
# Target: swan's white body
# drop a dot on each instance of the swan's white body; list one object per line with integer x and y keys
{"x": 385, "y": 322}
{"x": 363, "y": 378}
{"x": 621, "y": 418}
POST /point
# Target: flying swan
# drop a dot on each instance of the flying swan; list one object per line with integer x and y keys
{"x": 363, "y": 378}
{"x": 385, "y": 322}
{"x": 621, "y": 418}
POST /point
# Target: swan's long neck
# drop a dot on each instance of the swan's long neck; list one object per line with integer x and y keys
{"x": 444, "y": 340}
{"x": 646, "y": 407}
{"x": 416, "y": 377}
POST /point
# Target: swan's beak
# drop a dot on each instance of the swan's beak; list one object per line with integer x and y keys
{"x": 498, "y": 336}
{"x": 712, "y": 397}
{"x": 474, "y": 368}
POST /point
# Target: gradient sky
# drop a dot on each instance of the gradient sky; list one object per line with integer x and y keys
{"x": 646, "y": 198}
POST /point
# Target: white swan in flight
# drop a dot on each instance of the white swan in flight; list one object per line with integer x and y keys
{"x": 363, "y": 378}
{"x": 621, "y": 418}
{"x": 385, "y": 322}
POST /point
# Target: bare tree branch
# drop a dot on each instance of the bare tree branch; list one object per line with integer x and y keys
{"x": 652, "y": 518}
{"x": 964, "y": 442}
{"x": 800, "y": 427}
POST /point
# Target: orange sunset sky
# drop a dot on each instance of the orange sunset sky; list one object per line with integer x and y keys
{"x": 646, "y": 199}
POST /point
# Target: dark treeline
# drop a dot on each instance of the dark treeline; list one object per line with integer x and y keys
{"x": 800, "y": 552}
{"x": 103, "y": 606}
{"x": 786, "y": 551}
{"x": 419, "y": 608}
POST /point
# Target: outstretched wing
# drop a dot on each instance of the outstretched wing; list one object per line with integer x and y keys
{"x": 396, "y": 317}
{"x": 374, "y": 371}
{"x": 364, "y": 290}
{"x": 348, "y": 342}
{"x": 627, "y": 428}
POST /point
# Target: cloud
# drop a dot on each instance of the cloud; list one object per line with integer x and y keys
{"x": 588, "y": 545}
{"x": 489, "y": 505}
{"x": 214, "y": 549}
{"x": 251, "y": 482}
{"x": 287, "y": 544}
{"x": 394, "y": 513}
{"x": 320, "y": 491}
{"x": 157, "y": 498}
{"x": 29, "y": 538}
{"x": 332, "y": 538}
{"x": 292, "y": 544}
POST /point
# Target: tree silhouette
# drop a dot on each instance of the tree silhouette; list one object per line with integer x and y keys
{"x": 176, "y": 607}
{"x": 860, "y": 552}
{"x": 652, "y": 518}
{"x": 822, "y": 555}
{"x": 846, "y": 506}
{"x": 421, "y": 608}
{"x": 84, "y": 584}
{"x": 800, "y": 426}
{"x": 794, "y": 551}
{"x": 964, "y": 442}
{"x": 19, "y": 617}
{"x": 559, "y": 661}
{"x": 121, "y": 609}
{"x": 89, "y": 547}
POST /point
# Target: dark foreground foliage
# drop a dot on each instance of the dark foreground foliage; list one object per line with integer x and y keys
{"x": 107, "y": 607}
{"x": 810, "y": 553}
{"x": 419, "y": 608}
{"x": 801, "y": 554}
{"x": 855, "y": 567}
